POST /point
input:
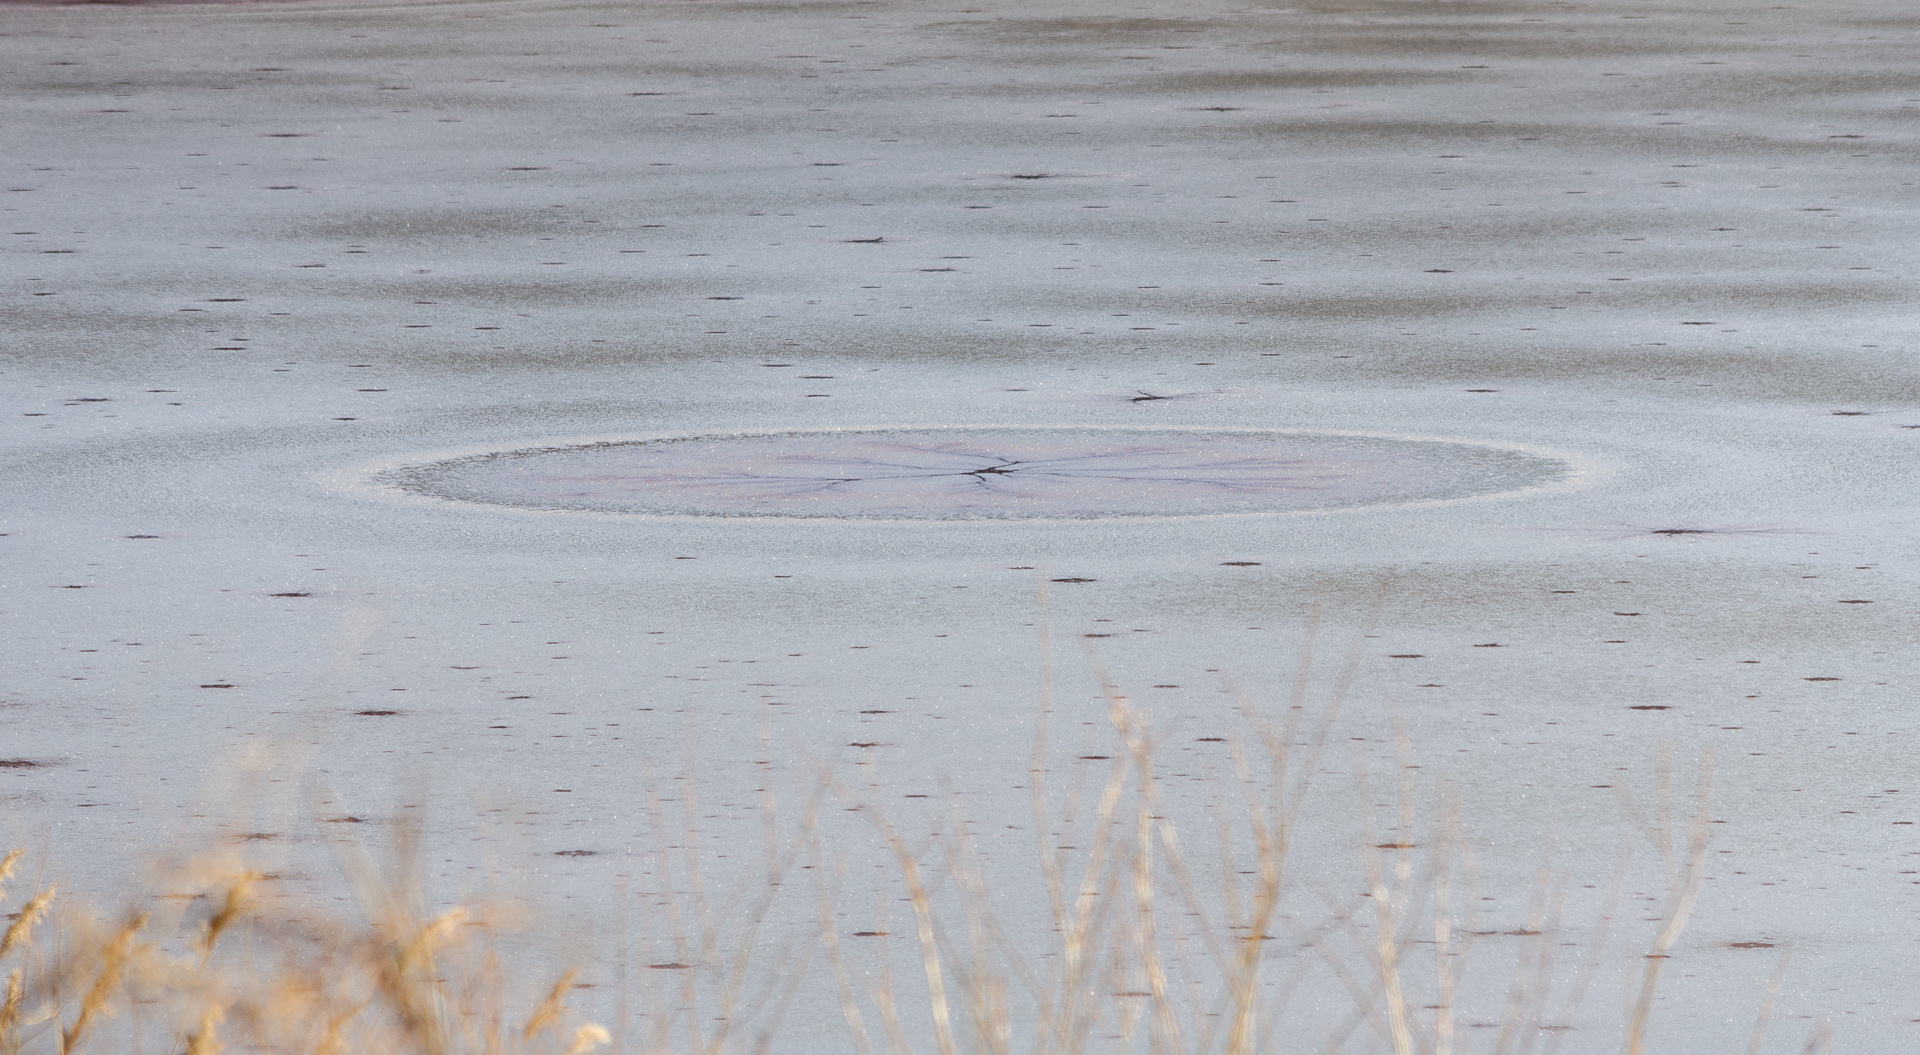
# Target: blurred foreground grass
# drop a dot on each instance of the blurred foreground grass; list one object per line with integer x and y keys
{"x": 1148, "y": 949}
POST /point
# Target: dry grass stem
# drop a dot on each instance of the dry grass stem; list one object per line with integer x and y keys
{"x": 1684, "y": 875}
{"x": 1119, "y": 932}
{"x": 1766, "y": 1005}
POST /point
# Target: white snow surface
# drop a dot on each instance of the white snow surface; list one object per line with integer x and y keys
{"x": 259, "y": 257}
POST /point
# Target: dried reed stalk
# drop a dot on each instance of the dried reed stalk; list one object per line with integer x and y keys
{"x": 1138, "y": 953}
{"x": 1684, "y": 876}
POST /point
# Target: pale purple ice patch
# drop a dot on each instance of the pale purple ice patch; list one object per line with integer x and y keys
{"x": 971, "y": 474}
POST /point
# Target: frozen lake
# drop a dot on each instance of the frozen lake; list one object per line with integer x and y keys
{"x": 395, "y": 391}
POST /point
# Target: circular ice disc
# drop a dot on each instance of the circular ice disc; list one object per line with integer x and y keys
{"x": 973, "y": 474}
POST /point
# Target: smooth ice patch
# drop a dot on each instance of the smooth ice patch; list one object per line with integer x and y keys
{"x": 983, "y": 473}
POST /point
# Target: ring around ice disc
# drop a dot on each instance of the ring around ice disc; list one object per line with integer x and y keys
{"x": 980, "y": 474}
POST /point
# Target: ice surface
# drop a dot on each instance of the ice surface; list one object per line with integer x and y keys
{"x": 256, "y": 256}
{"x": 980, "y": 474}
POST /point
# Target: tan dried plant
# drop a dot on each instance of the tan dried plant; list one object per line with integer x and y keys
{"x": 1150, "y": 946}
